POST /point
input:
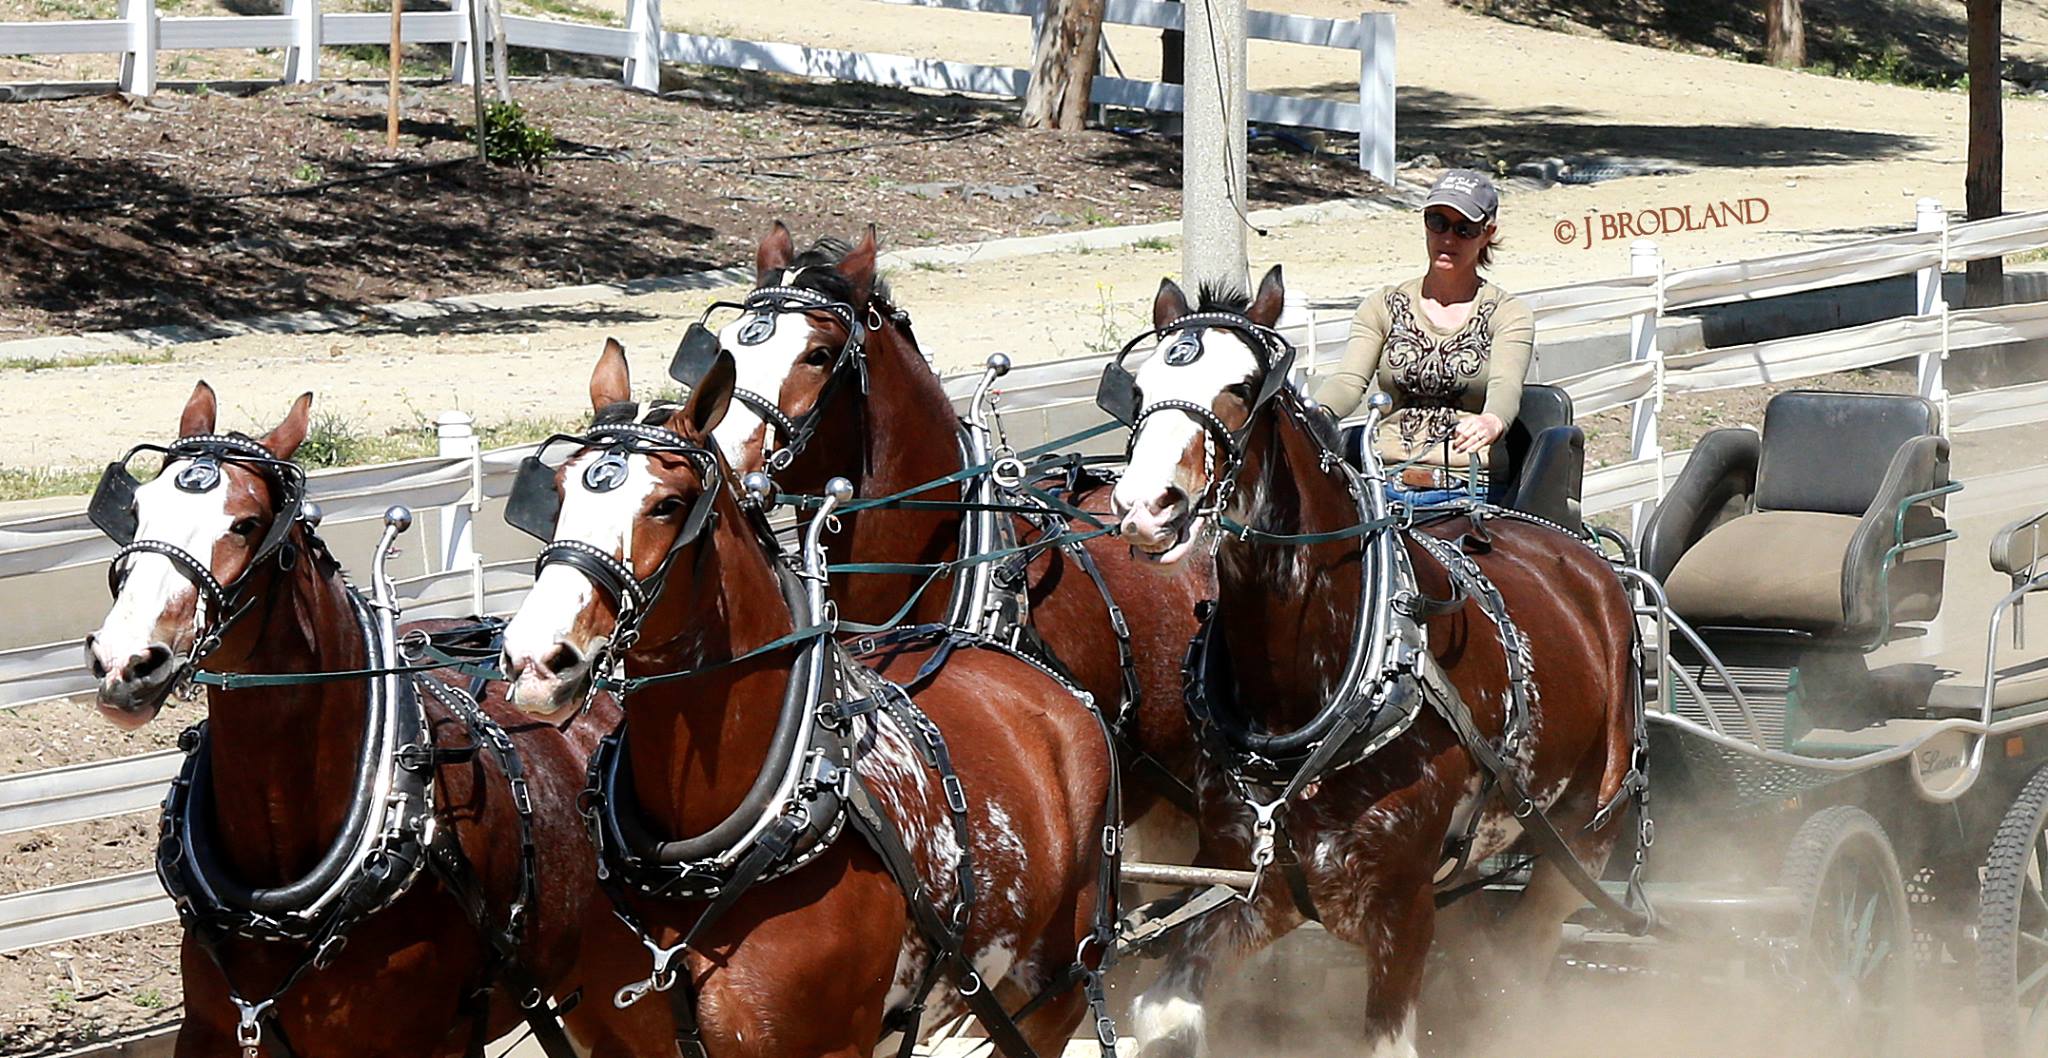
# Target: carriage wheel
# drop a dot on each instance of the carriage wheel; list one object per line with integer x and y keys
{"x": 2012, "y": 929}
{"x": 1855, "y": 941}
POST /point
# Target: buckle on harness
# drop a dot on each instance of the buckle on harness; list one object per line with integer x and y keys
{"x": 521, "y": 798}
{"x": 248, "y": 1024}
{"x": 956, "y": 795}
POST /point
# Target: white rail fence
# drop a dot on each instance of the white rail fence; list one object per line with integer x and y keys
{"x": 1040, "y": 402}
{"x": 140, "y": 33}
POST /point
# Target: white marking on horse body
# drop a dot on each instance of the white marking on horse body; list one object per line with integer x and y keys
{"x": 190, "y": 521}
{"x": 605, "y": 521}
{"x": 761, "y": 369}
{"x": 1398, "y": 1044}
{"x": 1167, "y": 1016}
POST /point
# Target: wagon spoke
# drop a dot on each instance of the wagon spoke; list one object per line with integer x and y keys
{"x": 2033, "y": 980}
{"x": 2035, "y": 939}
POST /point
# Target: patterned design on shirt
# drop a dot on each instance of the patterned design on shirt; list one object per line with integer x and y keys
{"x": 1434, "y": 374}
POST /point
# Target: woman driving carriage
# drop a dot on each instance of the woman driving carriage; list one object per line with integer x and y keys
{"x": 1450, "y": 348}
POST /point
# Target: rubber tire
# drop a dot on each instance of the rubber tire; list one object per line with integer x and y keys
{"x": 1998, "y": 919}
{"x": 1822, "y": 843}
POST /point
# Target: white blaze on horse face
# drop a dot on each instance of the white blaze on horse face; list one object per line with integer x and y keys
{"x": 761, "y": 369}
{"x": 155, "y": 590}
{"x": 549, "y": 615}
{"x": 1162, "y": 440}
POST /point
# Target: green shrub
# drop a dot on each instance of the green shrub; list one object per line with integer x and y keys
{"x": 510, "y": 139}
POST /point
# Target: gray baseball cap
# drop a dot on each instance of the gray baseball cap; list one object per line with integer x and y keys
{"x": 1466, "y": 190}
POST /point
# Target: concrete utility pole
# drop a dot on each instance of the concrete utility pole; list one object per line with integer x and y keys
{"x": 1213, "y": 146}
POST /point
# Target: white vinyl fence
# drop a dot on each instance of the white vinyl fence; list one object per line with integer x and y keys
{"x": 642, "y": 45}
{"x": 1040, "y": 402}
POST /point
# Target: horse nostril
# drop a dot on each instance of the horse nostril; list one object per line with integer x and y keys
{"x": 1169, "y": 500}
{"x": 149, "y": 661}
{"x": 562, "y": 659}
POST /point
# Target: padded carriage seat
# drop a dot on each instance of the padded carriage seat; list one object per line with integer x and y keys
{"x": 1791, "y": 530}
{"x": 1539, "y": 467}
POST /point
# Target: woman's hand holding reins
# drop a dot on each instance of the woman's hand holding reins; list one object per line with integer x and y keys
{"x": 1477, "y": 432}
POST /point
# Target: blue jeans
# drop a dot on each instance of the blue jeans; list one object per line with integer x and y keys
{"x": 1420, "y": 498}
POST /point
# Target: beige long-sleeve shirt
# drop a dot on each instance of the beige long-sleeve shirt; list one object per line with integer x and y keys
{"x": 1435, "y": 377}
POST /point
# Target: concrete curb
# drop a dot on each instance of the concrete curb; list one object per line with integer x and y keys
{"x": 319, "y": 321}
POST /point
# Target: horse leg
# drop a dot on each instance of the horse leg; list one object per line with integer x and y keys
{"x": 1168, "y": 1018}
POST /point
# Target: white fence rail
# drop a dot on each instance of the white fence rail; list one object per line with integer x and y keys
{"x": 1039, "y": 402}
{"x": 641, "y": 45}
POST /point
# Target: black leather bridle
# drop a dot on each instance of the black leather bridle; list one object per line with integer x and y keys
{"x": 763, "y": 310}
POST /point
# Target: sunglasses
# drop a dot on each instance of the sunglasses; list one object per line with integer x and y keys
{"x": 1466, "y": 229}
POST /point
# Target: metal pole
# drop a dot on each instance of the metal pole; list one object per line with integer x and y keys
{"x": 1213, "y": 148}
{"x": 391, "y": 105}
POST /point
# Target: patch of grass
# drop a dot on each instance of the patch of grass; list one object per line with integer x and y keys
{"x": 149, "y": 999}
{"x": 307, "y": 173}
{"x": 1889, "y": 66}
{"x": 412, "y": 62}
{"x": 570, "y": 10}
{"x": 1114, "y": 324}
{"x": 532, "y": 428}
{"x": 1093, "y": 217}
{"x": 62, "y": 999}
{"x": 54, "y": 363}
{"x": 335, "y": 440}
{"x": 34, "y": 483}
{"x": 1153, "y": 242}
{"x": 928, "y": 266}
{"x": 2027, "y": 257}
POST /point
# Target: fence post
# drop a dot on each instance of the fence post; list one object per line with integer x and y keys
{"x": 302, "y": 56}
{"x": 643, "y": 57}
{"x": 1928, "y": 300}
{"x": 1643, "y": 260}
{"x": 456, "y": 433}
{"x": 138, "y": 61}
{"x": 460, "y": 68}
{"x": 1376, "y": 95}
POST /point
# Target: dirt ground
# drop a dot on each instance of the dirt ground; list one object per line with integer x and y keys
{"x": 68, "y": 995}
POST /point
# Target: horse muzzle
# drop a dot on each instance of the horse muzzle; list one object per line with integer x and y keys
{"x": 548, "y": 685}
{"x": 1159, "y": 530}
{"x": 132, "y": 689}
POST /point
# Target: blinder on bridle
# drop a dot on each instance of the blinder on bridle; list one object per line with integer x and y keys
{"x": 112, "y": 510}
{"x": 1118, "y": 392}
{"x": 535, "y": 503}
{"x": 763, "y": 311}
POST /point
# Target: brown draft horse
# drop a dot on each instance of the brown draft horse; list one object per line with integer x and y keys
{"x": 1371, "y": 837}
{"x": 282, "y": 767}
{"x": 903, "y": 432}
{"x": 810, "y": 963}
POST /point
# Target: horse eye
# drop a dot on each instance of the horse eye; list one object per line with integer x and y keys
{"x": 245, "y": 527}
{"x": 1240, "y": 390}
{"x": 666, "y": 508}
{"x": 819, "y": 357}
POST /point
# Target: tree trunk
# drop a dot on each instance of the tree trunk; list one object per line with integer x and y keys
{"x": 1784, "y": 33}
{"x": 1063, "y": 62}
{"x": 1984, "y": 179}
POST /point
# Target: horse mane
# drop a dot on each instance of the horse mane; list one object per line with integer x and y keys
{"x": 1222, "y": 295}
{"x": 819, "y": 271}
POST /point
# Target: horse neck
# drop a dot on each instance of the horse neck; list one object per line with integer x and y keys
{"x": 910, "y": 438}
{"x": 283, "y": 759}
{"x": 1288, "y": 614}
{"x": 698, "y": 743}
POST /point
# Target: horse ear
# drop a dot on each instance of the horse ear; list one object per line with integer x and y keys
{"x": 1169, "y": 304}
{"x": 710, "y": 397}
{"x": 858, "y": 268}
{"x": 201, "y": 409}
{"x": 777, "y": 249}
{"x": 610, "y": 383}
{"x": 285, "y": 439}
{"x": 1272, "y": 297}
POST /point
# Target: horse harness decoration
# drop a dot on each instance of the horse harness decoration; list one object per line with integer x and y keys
{"x": 811, "y": 790}
{"x": 1389, "y": 674}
